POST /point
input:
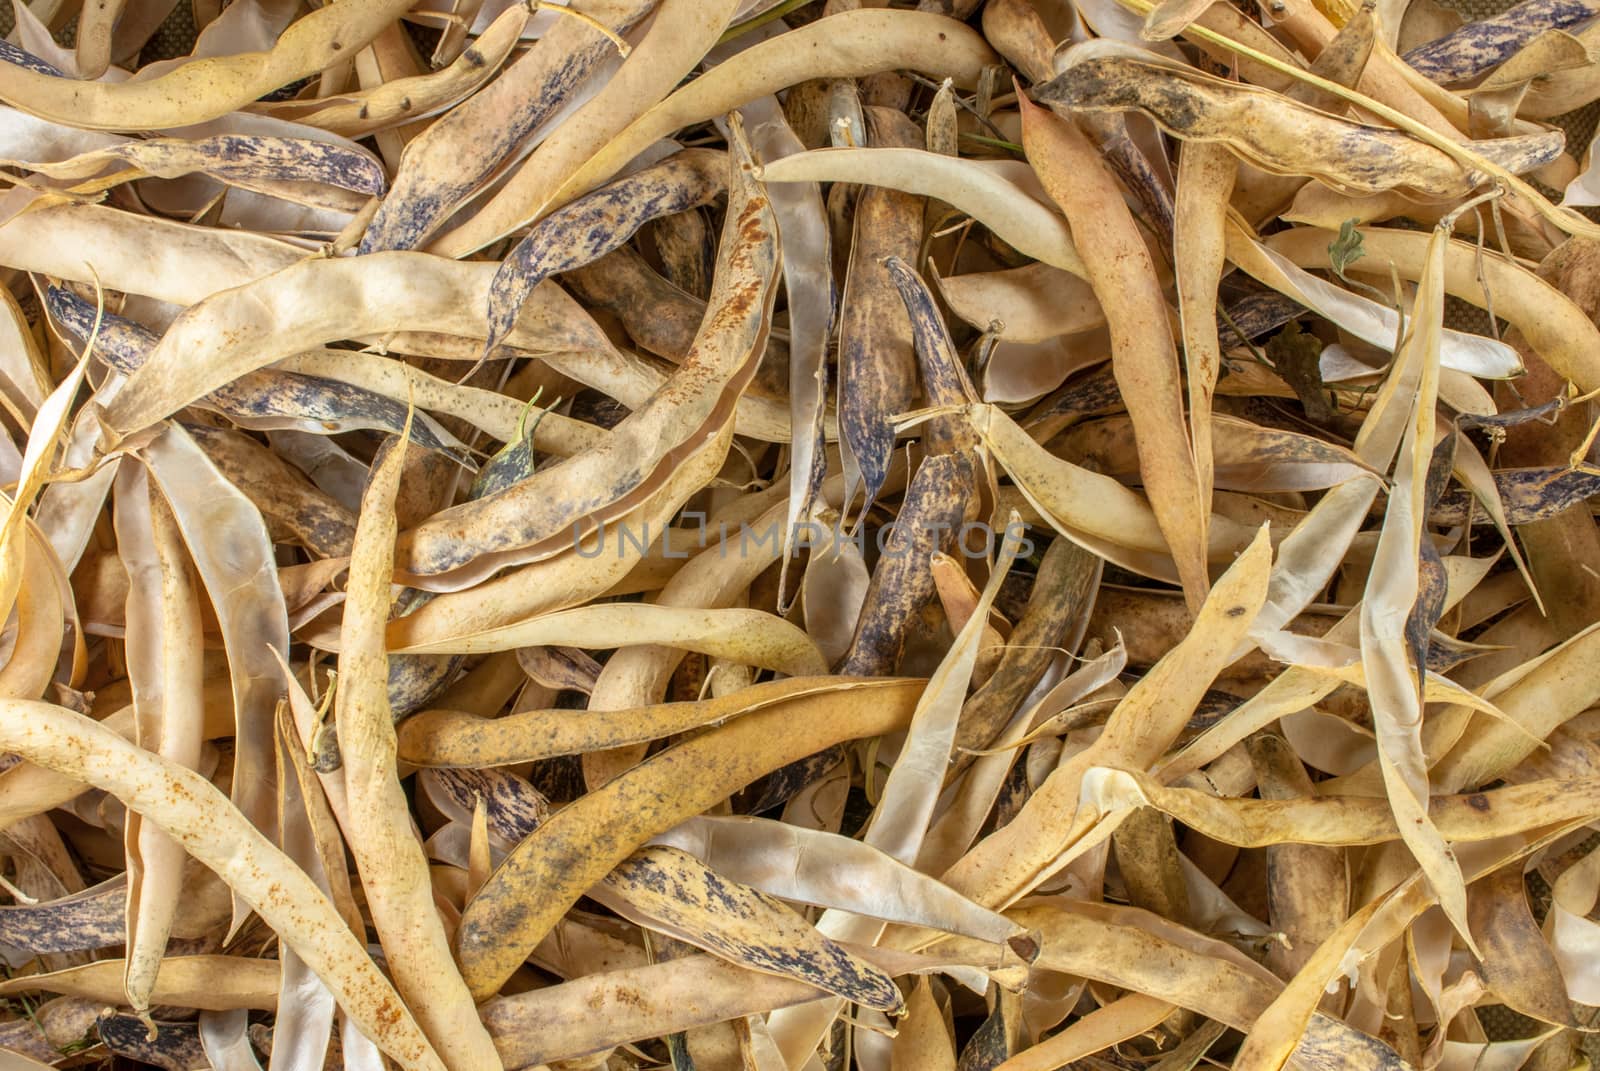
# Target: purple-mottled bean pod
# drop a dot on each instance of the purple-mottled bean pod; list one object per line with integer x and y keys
{"x": 593, "y": 226}
{"x": 454, "y": 156}
{"x": 1486, "y": 43}
{"x": 266, "y": 400}
{"x": 1280, "y": 135}
{"x": 232, "y": 158}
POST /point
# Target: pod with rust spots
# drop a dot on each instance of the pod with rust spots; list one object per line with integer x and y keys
{"x": 593, "y": 226}
{"x": 670, "y": 891}
{"x": 1282, "y": 136}
{"x": 581, "y": 843}
{"x": 204, "y": 88}
{"x": 1058, "y": 613}
{"x": 446, "y": 163}
{"x": 268, "y": 400}
{"x": 1528, "y": 495}
{"x": 403, "y": 100}
{"x": 536, "y": 518}
{"x": 1479, "y": 46}
{"x": 233, "y": 158}
{"x": 565, "y": 580}
{"x": 935, "y": 507}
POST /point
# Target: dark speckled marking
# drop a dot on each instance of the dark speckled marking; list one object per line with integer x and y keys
{"x": 1062, "y": 593}
{"x": 292, "y": 159}
{"x": 262, "y": 397}
{"x": 1256, "y": 315}
{"x": 12, "y": 54}
{"x": 176, "y": 1046}
{"x": 1088, "y": 394}
{"x": 1354, "y": 156}
{"x": 989, "y": 1046}
{"x": 1482, "y": 45}
{"x": 85, "y": 922}
{"x": 902, "y": 582}
{"x": 782, "y": 784}
{"x": 513, "y": 806}
{"x": 414, "y": 681}
{"x": 1528, "y": 495}
{"x": 122, "y": 343}
{"x": 419, "y": 200}
{"x": 744, "y": 925}
{"x": 877, "y": 351}
{"x": 594, "y": 225}
{"x": 944, "y": 379}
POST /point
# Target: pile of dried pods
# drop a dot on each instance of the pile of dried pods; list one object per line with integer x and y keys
{"x": 796, "y": 536}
